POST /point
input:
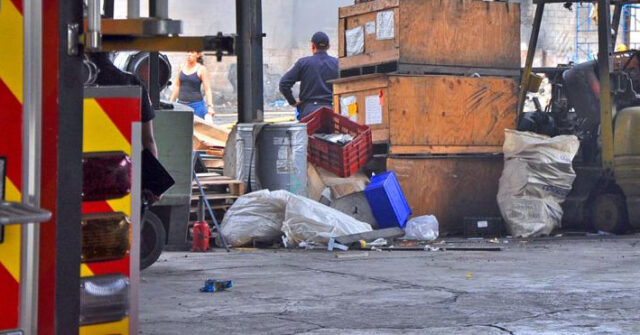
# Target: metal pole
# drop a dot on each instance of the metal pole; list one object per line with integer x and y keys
{"x": 616, "y": 24}
{"x": 31, "y": 141}
{"x": 605, "y": 63}
{"x": 94, "y": 24}
{"x": 136, "y": 191}
{"x": 154, "y": 79}
{"x": 533, "y": 42}
{"x": 108, "y": 8}
{"x": 159, "y": 9}
{"x": 250, "y": 62}
{"x": 133, "y": 9}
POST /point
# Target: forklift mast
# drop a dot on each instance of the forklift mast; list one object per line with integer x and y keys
{"x": 606, "y": 41}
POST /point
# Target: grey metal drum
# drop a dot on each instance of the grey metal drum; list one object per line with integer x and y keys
{"x": 282, "y": 158}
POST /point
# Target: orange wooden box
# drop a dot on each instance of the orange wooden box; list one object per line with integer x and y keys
{"x": 450, "y": 187}
{"x": 463, "y": 33}
{"x": 434, "y": 114}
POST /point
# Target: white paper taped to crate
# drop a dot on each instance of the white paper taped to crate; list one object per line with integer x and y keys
{"x": 373, "y": 110}
{"x": 349, "y": 107}
{"x": 385, "y": 25}
{"x": 355, "y": 41}
{"x": 370, "y": 27}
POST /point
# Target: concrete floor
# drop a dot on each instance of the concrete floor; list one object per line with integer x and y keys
{"x": 546, "y": 286}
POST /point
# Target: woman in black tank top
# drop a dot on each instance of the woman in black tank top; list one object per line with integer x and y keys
{"x": 191, "y": 80}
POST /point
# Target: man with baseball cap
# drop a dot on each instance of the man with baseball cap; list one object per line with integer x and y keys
{"x": 312, "y": 72}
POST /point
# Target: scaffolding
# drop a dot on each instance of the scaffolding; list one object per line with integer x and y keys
{"x": 586, "y": 41}
{"x": 630, "y": 26}
{"x": 586, "y": 47}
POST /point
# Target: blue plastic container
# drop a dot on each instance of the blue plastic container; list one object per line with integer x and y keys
{"x": 387, "y": 201}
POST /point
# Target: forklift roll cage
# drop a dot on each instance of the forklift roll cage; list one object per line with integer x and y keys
{"x": 606, "y": 41}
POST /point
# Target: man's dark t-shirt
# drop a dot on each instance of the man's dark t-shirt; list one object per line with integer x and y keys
{"x": 110, "y": 75}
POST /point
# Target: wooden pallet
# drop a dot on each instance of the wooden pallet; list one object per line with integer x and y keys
{"x": 218, "y": 187}
{"x": 421, "y": 69}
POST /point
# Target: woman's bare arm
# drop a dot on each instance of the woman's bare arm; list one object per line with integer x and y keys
{"x": 204, "y": 76}
{"x": 176, "y": 86}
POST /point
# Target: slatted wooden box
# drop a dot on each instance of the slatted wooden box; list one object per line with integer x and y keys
{"x": 422, "y": 36}
{"x": 432, "y": 114}
{"x": 450, "y": 187}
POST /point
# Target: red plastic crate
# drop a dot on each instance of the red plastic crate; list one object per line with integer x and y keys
{"x": 341, "y": 160}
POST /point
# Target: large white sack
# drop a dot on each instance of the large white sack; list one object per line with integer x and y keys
{"x": 312, "y": 222}
{"x": 255, "y": 215}
{"x": 537, "y": 176}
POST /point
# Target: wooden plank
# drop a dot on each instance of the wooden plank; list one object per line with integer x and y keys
{"x": 204, "y": 142}
{"x": 444, "y": 149}
{"x": 370, "y": 58}
{"x": 421, "y": 69}
{"x": 368, "y": 80}
{"x": 359, "y": 83}
{"x": 379, "y": 136}
{"x": 215, "y": 197}
{"x": 207, "y": 135}
{"x": 210, "y": 130}
{"x": 211, "y": 175}
{"x": 315, "y": 185}
{"x": 342, "y": 50}
{"x": 219, "y": 182}
{"x": 367, "y": 7}
{"x": 451, "y": 110}
{"x": 450, "y": 187}
{"x": 194, "y": 209}
{"x": 217, "y": 152}
{"x": 439, "y": 33}
{"x": 213, "y": 163}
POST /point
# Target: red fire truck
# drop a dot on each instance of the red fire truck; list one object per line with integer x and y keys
{"x": 70, "y": 162}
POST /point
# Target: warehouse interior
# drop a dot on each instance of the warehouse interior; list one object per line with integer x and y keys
{"x": 319, "y": 167}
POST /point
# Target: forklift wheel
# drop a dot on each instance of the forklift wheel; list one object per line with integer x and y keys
{"x": 610, "y": 213}
{"x": 152, "y": 238}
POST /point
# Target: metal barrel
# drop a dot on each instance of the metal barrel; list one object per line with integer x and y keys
{"x": 282, "y": 158}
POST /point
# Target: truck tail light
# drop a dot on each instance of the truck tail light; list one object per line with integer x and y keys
{"x": 103, "y": 299}
{"x": 106, "y": 175}
{"x": 104, "y": 237}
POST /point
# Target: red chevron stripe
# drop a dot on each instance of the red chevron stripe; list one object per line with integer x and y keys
{"x": 11, "y": 130}
{"x": 89, "y": 207}
{"x": 18, "y": 4}
{"x": 110, "y": 267}
{"x": 122, "y": 112}
{"x": 9, "y": 291}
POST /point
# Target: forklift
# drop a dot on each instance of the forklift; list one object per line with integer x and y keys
{"x": 599, "y": 102}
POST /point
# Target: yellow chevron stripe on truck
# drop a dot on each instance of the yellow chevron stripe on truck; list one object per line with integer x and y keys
{"x": 12, "y": 48}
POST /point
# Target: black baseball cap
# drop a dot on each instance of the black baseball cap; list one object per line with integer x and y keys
{"x": 320, "y": 39}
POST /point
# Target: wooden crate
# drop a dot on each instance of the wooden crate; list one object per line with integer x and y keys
{"x": 450, "y": 187}
{"x": 461, "y": 34}
{"x": 435, "y": 114}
